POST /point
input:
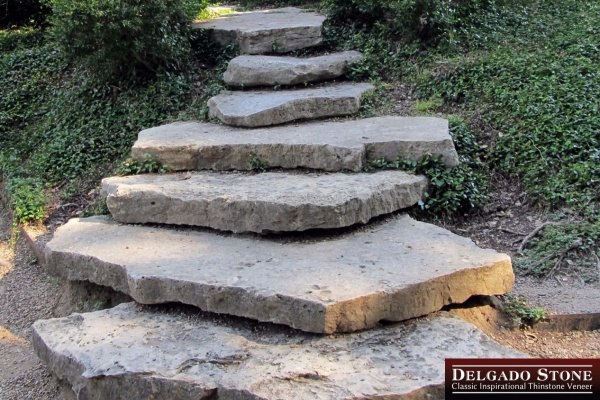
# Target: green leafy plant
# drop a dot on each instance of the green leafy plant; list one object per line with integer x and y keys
{"x": 431, "y": 104}
{"x": 123, "y": 40}
{"x": 452, "y": 191}
{"x": 27, "y": 199}
{"x": 148, "y": 165}
{"x": 257, "y": 164}
{"x": 521, "y": 313}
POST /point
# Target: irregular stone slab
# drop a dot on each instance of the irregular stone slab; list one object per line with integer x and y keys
{"x": 393, "y": 271}
{"x": 249, "y": 71}
{"x": 328, "y": 146}
{"x": 268, "y": 202}
{"x": 265, "y": 108}
{"x": 130, "y": 352}
{"x": 267, "y": 31}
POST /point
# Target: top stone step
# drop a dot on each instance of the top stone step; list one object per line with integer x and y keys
{"x": 250, "y": 71}
{"x": 267, "y": 31}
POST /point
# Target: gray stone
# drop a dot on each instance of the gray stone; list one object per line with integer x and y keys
{"x": 328, "y": 146}
{"x": 391, "y": 271}
{"x": 265, "y": 108}
{"x": 269, "y": 202}
{"x": 267, "y": 31}
{"x": 132, "y": 352}
{"x": 248, "y": 71}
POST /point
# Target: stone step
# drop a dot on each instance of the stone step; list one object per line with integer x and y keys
{"x": 328, "y": 146}
{"x": 267, "y": 31}
{"x": 268, "y": 202}
{"x": 133, "y": 352}
{"x": 391, "y": 271}
{"x": 249, "y": 71}
{"x": 254, "y": 109}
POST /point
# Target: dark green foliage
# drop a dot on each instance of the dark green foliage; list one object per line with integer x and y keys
{"x": 23, "y": 13}
{"x": 544, "y": 103}
{"x": 63, "y": 129}
{"x": 455, "y": 191}
{"x": 120, "y": 40}
{"x": 535, "y": 81}
{"x": 429, "y": 21}
{"x": 257, "y": 164}
{"x": 27, "y": 199}
{"x": 146, "y": 166}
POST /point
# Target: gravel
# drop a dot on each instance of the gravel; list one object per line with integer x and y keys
{"x": 27, "y": 293}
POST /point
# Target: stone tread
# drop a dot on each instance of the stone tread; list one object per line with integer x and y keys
{"x": 267, "y": 202}
{"x": 267, "y": 31}
{"x": 250, "y": 71}
{"x": 132, "y": 352}
{"x": 391, "y": 271}
{"x": 253, "y": 109}
{"x": 328, "y": 146}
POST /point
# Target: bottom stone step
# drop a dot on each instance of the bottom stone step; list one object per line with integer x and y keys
{"x": 131, "y": 352}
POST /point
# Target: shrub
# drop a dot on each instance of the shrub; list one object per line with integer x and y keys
{"x": 424, "y": 20}
{"x": 23, "y": 12}
{"x": 120, "y": 40}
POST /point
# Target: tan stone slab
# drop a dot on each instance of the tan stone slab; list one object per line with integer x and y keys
{"x": 392, "y": 271}
{"x": 268, "y": 202}
{"x": 255, "y": 109}
{"x": 267, "y": 31}
{"x": 250, "y": 71}
{"x": 328, "y": 146}
{"x": 130, "y": 352}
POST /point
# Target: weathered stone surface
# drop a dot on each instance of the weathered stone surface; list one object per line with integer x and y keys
{"x": 130, "y": 352}
{"x": 269, "y": 202}
{"x": 328, "y": 146}
{"x": 392, "y": 271}
{"x": 267, "y": 31}
{"x": 265, "y": 108}
{"x": 248, "y": 71}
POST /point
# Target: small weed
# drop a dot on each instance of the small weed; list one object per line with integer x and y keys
{"x": 429, "y": 105}
{"x": 147, "y": 166}
{"x": 257, "y": 164}
{"x": 214, "y": 12}
{"x": 98, "y": 207}
{"x": 521, "y": 313}
{"x": 376, "y": 102}
{"x": 91, "y": 305}
{"x": 27, "y": 199}
{"x": 275, "y": 47}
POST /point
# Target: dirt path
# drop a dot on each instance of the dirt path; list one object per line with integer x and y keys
{"x": 27, "y": 294}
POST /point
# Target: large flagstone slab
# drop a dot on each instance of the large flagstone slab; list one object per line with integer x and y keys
{"x": 267, "y": 202}
{"x": 392, "y": 271}
{"x": 328, "y": 146}
{"x": 141, "y": 353}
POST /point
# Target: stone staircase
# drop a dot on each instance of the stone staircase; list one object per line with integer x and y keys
{"x": 189, "y": 238}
